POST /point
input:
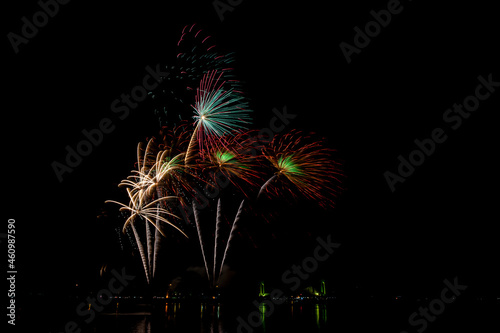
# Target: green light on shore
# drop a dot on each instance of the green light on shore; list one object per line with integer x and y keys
{"x": 262, "y": 292}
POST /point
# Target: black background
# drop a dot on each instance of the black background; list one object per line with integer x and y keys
{"x": 440, "y": 223}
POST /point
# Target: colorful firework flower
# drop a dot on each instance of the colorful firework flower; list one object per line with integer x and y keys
{"x": 196, "y": 56}
{"x": 309, "y": 167}
{"x": 217, "y": 113}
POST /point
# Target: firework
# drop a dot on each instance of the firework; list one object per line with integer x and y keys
{"x": 160, "y": 168}
{"x": 147, "y": 212}
{"x": 235, "y": 160}
{"x": 141, "y": 252}
{"x": 232, "y": 234}
{"x": 196, "y": 56}
{"x": 306, "y": 167}
{"x": 217, "y": 112}
{"x": 200, "y": 237}
{"x": 218, "y": 225}
{"x": 146, "y": 196}
{"x": 214, "y": 144}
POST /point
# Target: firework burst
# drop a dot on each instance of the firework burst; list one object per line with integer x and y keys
{"x": 160, "y": 171}
{"x": 217, "y": 113}
{"x": 149, "y": 212}
{"x": 197, "y": 55}
{"x": 234, "y": 159}
{"x": 308, "y": 167}
{"x": 215, "y": 143}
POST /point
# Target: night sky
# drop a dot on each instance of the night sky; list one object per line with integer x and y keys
{"x": 438, "y": 224}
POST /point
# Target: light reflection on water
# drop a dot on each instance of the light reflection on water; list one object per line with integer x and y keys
{"x": 217, "y": 318}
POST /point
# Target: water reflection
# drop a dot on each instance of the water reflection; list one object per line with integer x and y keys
{"x": 263, "y": 307}
{"x": 144, "y": 326}
{"x": 215, "y": 317}
{"x": 320, "y": 314}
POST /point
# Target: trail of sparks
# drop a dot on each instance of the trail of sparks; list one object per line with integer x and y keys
{"x": 232, "y": 234}
{"x": 200, "y": 237}
{"x": 218, "y": 225}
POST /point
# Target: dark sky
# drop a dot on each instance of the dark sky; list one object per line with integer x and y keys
{"x": 439, "y": 223}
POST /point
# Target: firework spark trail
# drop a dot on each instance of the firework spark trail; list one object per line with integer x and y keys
{"x": 200, "y": 237}
{"x": 141, "y": 251}
{"x": 149, "y": 246}
{"x": 232, "y": 235}
{"x": 157, "y": 238}
{"x": 156, "y": 249}
{"x": 218, "y": 225}
{"x": 266, "y": 184}
{"x": 157, "y": 241}
{"x": 192, "y": 148}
